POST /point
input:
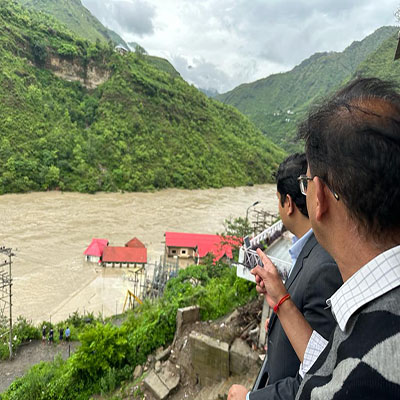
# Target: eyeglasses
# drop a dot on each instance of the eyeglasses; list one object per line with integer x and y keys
{"x": 303, "y": 183}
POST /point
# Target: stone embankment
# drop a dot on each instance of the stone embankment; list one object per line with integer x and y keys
{"x": 205, "y": 358}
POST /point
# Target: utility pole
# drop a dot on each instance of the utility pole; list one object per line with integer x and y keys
{"x": 5, "y": 289}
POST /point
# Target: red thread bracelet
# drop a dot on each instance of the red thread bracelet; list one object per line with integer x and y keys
{"x": 284, "y": 298}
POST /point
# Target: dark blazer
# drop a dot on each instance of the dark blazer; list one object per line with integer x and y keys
{"x": 314, "y": 278}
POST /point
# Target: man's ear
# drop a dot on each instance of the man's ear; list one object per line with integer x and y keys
{"x": 290, "y": 204}
{"x": 321, "y": 196}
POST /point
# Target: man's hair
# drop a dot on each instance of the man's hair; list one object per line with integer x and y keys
{"x": 286, "y": 180}
{"x": 353, "y": 144}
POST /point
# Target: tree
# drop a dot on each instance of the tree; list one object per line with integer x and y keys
{"x": 238, "y": 227}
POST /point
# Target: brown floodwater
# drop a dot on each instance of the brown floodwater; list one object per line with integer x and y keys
{"x": 50, "y": 231}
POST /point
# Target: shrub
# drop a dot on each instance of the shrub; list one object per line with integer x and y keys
{"x": 24, "y": 331}
{"x": 108, "y": 382}
{"x": 102, "y": 347}
{"x": 39, "y": 52}
{"x": 67, "y": 50}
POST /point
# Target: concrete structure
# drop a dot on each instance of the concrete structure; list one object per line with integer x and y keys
{"x": 153, "y": 383}
{"x": 241, "y": 357}
{"x": 169, "y": 375}
{"x": 185, "y": 316}
{"x": 210, "y": 358}
{"x": 163, "y": 382}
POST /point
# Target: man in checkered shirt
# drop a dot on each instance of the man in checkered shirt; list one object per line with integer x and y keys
{"x": 353, "y": 198}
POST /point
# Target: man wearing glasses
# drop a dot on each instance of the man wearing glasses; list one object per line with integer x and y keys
{"x": 352, "y": 186}
{"x": 313, "y": 278}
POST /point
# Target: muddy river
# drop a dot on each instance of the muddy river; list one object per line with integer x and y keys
{"x": 50, "y": 231}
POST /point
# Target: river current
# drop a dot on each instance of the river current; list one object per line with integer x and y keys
{"x": 49, "y": 232}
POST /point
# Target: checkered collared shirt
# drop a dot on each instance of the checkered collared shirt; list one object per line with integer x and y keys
{"x": 373, "y": 280}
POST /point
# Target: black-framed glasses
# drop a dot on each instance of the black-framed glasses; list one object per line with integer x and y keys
{"x": 303, "y": 183}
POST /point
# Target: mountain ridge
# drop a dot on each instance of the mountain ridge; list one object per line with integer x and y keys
{"x": 276, "y": 104}
{"x": 77, "y": 17}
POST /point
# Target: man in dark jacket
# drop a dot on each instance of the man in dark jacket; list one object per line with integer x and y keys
{"x": 314, "y": 277}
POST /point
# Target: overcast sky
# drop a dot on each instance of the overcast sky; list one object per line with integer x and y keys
{"x": 219, "y": 44}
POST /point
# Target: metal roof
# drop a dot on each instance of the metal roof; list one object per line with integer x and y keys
{"x": 96, "y": 247}
{"x": 113, "y": 254}
{"x": 215, "y": 244}
{"x": 135, "y": 242}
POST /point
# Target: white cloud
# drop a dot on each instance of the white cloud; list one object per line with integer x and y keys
{"x": 124, "y": 16}
{"x": 229, "y": 42}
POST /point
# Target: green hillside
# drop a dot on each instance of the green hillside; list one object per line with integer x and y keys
{"x": 276, "y": 104}
{"x": 381, "y": 62}
{"x": 78, "y": 116}
{"x": 162, "y": 64}
{"x": 158, "y": 62}
{"x": 77, "y": 17}
{"x": 79, "y": 20}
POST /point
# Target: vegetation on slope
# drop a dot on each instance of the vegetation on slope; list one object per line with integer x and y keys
{"x": 79, "y": 20}
{"x": 141, "y": 129}
{"x": 162, "y": 64}
{"x": 109, "y": 354}
{"x": 277, "y": 103}
{"x": 77, "y": 17}
{"x": 381, "y": 63}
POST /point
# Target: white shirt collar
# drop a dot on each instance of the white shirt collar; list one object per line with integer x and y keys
{"x": 374, "y": 279}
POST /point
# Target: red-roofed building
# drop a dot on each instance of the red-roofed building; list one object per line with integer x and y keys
{"x": 95, "y": 250}
{"x": 197, "y": 245}
{"x": 124, "y": 255}
{"x": 135, "y": 242}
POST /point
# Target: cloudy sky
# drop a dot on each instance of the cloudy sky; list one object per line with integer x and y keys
{"x": 219, "y": 44}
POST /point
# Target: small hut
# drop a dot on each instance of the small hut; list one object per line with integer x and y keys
{"x": 95, "y": 250}
{"x": 121, "y": 49}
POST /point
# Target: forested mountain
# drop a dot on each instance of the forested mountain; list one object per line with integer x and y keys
{"x": 77, "y": 18}
{"x": 76, "y": 115}
{"x": 277, "y": 103}
{"x": 380, "y": 63}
